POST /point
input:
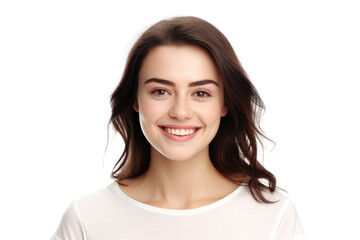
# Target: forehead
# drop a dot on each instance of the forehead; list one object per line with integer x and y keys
{"x": 179, "y": 63}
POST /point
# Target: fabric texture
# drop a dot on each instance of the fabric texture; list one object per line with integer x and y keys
{"x": 110, "y": 214}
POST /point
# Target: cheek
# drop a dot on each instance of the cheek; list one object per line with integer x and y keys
{"x": 210, "y": 112}
{"x": 150, "y": 111}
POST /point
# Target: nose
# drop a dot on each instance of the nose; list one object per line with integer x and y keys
{"x": 180, "y": 109}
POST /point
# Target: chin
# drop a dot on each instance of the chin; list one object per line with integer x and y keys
{"x": 180, "y": 155}
{"x": 180, "y": 152}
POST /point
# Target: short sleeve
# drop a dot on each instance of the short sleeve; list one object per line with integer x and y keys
{"x": 70, "y": 227}
{"x": 289, "y": 226}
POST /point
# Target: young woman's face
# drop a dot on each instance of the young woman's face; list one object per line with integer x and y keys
{"x": 180, "y": 100}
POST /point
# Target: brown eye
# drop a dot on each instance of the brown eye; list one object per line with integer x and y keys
{"x": 202, "y": 94}
{"x": 160, "y": 92}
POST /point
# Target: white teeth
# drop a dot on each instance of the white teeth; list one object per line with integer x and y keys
{"x": 180, "y": 132}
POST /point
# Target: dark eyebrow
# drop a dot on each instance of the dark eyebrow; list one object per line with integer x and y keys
{"x": 161, "y": 81}
{"x": 202, "y": 82}
{"x": 192, "y": 84}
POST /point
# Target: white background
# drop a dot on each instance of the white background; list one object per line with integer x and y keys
{"x": 61, "y": 60}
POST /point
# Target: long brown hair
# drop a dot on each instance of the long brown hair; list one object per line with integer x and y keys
{"x": 234, "y": 149}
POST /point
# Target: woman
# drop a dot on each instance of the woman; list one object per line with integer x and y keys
{"x": 188, "y": 115}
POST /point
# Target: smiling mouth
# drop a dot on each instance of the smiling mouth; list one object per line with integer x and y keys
{"x": 180, "y": 131}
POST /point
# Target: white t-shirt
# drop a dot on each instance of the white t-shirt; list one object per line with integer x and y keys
{"x": 110, "y": 214}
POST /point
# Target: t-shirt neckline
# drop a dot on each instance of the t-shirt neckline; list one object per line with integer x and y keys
{"x": 176, "y": 212}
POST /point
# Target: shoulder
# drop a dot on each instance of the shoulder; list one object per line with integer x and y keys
{"x": 279, "y": 218}
{"x": 76, "y": 216}
{"x": 281, "y": 205}
{"x": 99, "y": 199}
{"x": 281, "y": 202}
{"x": 287, "y": 220}
{"x": 100, "y": 194}
{"x": 277, "y": 198}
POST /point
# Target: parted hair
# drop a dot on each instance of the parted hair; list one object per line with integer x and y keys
{"x": 234, "y": 149}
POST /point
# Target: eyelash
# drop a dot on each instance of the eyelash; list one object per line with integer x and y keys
{"x": 157, "y": 92}
{"x": 203, "y": 92}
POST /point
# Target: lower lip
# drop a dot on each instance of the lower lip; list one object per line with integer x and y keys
{"x": 178, "y": 138}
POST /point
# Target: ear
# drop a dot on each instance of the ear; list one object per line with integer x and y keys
{"x": 224, "y": 111}
{"x": 136, "y": 106}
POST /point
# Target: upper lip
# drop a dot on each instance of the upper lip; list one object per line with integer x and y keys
{"x": 179, "y": 126}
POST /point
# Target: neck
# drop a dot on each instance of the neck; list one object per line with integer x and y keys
{"x": 179, "y": 184}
